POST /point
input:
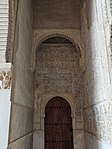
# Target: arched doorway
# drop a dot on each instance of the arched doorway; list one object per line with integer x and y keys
{"x": 57, "y": 69}
{"x": 58, "y": 125}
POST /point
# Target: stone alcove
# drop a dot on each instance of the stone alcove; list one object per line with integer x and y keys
{"x": 57, "y": 73}
{"x": 94, "y": 37}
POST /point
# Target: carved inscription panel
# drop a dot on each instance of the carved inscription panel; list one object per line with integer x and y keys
{"x": 56, "y": 67}
{"x": 57, "y": 72}
{"x": 98, "y": 120}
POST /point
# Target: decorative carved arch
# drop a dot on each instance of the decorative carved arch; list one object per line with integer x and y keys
{"x": 46, "y": 99}
{"x": 39, "y": 39}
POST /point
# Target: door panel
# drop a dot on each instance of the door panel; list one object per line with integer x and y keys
{"x": 58, "y": 125}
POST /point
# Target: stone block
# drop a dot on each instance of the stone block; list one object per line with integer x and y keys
{"x": 38, "y": 140}
{"x": 21, "y": 122}
{"x": 25, "y": 142}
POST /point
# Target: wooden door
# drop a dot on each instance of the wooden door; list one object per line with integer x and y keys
{"x": 58, "y": 125}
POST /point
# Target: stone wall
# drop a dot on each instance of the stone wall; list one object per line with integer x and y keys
{"x": 64, "y": 80}
{"x": 97, "y": 104}
{"x": 57, "y": 73}
{"x": 21, "y": 125}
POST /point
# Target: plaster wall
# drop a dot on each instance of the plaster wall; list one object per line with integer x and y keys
{"x": 21, "y": 125}
{"x": 97, "y": 103}
{"x": 4, "y": 117}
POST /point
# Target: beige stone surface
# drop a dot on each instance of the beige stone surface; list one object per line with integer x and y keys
{"x": 21, "y": 123}
{"x": 38, "y": 135}
{"x": 22, "y": 99}
{"x": 78, "y": 139}
{"x": 21, "y": 72}
{"x": 97, "y": 88}
{"x": 22, "y": 143}
{"x": 93, "y": 143}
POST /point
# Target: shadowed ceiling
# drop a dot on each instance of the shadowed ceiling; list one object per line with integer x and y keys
{"x": 56, "y": 14}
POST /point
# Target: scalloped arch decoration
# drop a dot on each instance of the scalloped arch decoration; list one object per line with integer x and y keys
{"x": 48, "y": 97}
{"x": 38, "y": 39}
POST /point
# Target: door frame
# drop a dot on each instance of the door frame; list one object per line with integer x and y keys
{"x": 45, "y": 100}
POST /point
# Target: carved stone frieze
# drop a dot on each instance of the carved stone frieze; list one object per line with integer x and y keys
{"x": 106, "y": 5}
{"x": 55, "y": 68}
{"x": 5, "y": 79}
{"x": 98, "y": 121}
